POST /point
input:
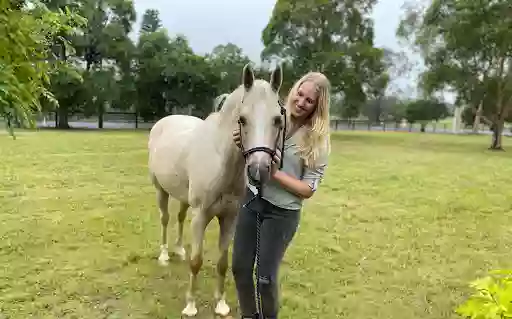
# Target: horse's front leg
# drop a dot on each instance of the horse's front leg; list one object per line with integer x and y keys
{"x": 198, "y": 227}
{"x": 226, "y": 228}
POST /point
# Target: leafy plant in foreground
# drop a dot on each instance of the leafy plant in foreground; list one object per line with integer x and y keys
{"x": 492, "y": 299}
{"x": 25, "y": 57}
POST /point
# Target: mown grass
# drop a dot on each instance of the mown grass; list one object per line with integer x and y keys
{"x": 398, "y": 228}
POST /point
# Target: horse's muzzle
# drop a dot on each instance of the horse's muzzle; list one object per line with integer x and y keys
{"x": 258, "y": 167}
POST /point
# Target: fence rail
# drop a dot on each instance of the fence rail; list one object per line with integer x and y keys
{"x": 130, "y": 120}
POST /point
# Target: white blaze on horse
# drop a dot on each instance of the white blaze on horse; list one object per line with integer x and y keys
{"x": 197, "y": 163}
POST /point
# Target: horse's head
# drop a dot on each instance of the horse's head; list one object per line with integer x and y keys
{"x": 261, "y": 121}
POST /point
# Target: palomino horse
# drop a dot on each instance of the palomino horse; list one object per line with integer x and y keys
{"x": 197, "y": 163}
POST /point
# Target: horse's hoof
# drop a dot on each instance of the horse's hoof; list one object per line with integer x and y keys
{"x": 163, "y": 263}
{"x": 190, "y": 310}
{"x": 163, "y": 260}
{"x": 222, "y": 308}
{"x": 180, "y": 251}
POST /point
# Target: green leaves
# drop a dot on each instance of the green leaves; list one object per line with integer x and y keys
{"x": 330, "y": 36}
{"x": 466, "y": 47}
{"x": 228, "y": 60}
{"x": 492, "y": 298}
{"x": 171, "y": 77}
{"x": 25, "y": 57}
{"x": 425, "y": 111}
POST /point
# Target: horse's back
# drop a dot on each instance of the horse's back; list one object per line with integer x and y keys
{"x": 167, "y": 145}
{"x": 172, "y": 126}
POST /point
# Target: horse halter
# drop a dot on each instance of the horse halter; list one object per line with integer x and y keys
{"x": 265, "y": 149}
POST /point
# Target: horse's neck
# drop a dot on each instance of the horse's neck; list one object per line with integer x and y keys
{"x": 224, "y": 140}
{"x": 225, "y": 124}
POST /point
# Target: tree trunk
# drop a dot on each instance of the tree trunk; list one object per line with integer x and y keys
{"x": 422, "y": 129}
{"x": 62, "y": 110}
{"x": 456, "y": 119}
{"x": 100, "y": 117}
{"x": 62, "y": 122}
{"x": 497, "y": 131}
{"x": 476, "y": 123}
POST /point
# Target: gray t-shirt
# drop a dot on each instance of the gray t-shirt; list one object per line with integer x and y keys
{"x": 294, "y": 166}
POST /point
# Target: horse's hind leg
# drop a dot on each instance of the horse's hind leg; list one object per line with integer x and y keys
{"x": 178, "y": 246}
{"x": 162, "y": 198}
{"x": 226, "y": 225}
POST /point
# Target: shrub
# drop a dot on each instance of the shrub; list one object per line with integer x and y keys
{"x": 492, "y": 298}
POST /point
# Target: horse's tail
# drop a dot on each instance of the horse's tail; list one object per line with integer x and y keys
{"x": 219, "y": 101}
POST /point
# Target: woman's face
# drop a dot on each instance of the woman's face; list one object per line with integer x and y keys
{"x": 304, "y": 101}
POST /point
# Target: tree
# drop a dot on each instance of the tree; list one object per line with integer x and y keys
{"x": 151, "y": 21}
{"x": 330, "y": 36}
{"x": 227, "y": 60}
{"x": 466, "y": 47}
{"x": 150, "y": 65}
{"x": 192, "y": 82}
{"x": 67, "y": 86}
{"x": 170, "y": 76}
{"x": 380, "y": 109}
{"x": 468, "y": 116}
{"x": 26, "y": 61}
{"x": 424, "y": 111}
{"x": 397, "y": 112}
{"x": 106, "y": 39}
{"x": 66, "y": 79}
{"x": 121, "y": 50}
{"x": 102, "y": 41}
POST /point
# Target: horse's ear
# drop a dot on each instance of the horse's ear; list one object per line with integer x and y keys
{"x": 248, "y": 76}
{"x": 276, "y": 78}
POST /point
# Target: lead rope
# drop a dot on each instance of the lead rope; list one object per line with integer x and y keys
{"x": 258, "y": 196}
{"x": 258, "y": 235}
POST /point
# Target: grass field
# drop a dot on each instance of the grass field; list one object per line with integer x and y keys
{"x": 401, "y": 224}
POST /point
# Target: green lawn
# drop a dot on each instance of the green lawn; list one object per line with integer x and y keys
{"x": 401, "y": 224}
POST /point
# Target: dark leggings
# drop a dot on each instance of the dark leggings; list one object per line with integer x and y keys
{"x": 277, "y": 230}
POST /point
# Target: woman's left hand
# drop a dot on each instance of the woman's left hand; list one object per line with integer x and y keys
{"x": 276, "y": 162}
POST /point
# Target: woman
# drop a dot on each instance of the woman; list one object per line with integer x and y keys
{"x": 306, "y": 150}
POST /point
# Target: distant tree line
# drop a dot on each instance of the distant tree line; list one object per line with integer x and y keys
{"x": 86, "y": 62}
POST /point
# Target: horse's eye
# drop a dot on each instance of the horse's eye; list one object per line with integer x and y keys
{"x": 242, "y": 120}
{"x": 278, "y": 121}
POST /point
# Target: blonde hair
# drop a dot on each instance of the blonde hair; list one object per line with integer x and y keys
{"x": 315, "y": 139}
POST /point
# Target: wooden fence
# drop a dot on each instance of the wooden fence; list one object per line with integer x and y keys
{"x": 130, "y": 120}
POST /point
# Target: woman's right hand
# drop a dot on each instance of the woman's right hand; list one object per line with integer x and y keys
{"x": 237, "y": 138}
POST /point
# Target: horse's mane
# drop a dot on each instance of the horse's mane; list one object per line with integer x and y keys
{"x": 230, "y": 107}
{"x": 227, "y": 106}
{"x": 219, "y": 101}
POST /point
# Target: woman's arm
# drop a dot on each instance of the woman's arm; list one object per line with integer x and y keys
{"x": 306, "y": 187}
{"x": 298, "y": 187}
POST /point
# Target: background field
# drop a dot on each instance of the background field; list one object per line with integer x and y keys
{"x": 401, "y": 224}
